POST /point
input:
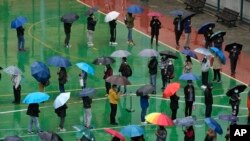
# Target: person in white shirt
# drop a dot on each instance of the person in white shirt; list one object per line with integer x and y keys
{"x": 205, "y": 65}
{"x": 16, "y": 79}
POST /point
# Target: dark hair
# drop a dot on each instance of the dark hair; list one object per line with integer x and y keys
{"x": 130, "y": 14}
{"x": 162, "y": 128}
{"x": 108, "y": 66}
{"x": 124, "y": 59}
{"x": 114, "y": 86}
{"x": 115, "y": 139}
{"x": 188, "y": 59}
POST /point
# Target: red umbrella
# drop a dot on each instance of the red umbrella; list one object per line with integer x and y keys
{"x": 159, "y": 119}
{"x": 115, "y": 133}
{"x": 171, "y": 89}
{"x": 156, "y": 14}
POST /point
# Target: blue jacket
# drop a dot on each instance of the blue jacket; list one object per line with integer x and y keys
{"x": 144, "y": 101}
{"x": 187, "y": 26}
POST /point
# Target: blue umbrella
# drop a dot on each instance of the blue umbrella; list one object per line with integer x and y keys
{"x": 35, "y": 97}
{"x": 132, "y": 131}
{"x": 186, "y": 121}
{"x": 189, "y": 52}
{"x": 188, "y": 76}
{"x": 135, "y": 9}
{"x": 87, "y": 92}
{"x": 219, "y": 53}
{"x": 177, "y": 12}
{"x": 59, "y": 61}
{"x": 86, "y": 67}
{"x": 230, "y": 118}
{"x": 40, "y": 71}
{"x": 19, "y": 21}
{"x": 205, "y": 26}
{"x": 203, "y": 51}
{"x": 214, "y": 125}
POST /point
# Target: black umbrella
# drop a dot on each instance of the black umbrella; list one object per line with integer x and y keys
{"x": 217, "y": 34}
{"x": 91, "y": 11}
{"x": 69, "y": 18}
{"x": 13, "y": 138}
{"x": 118, "y": 80}
{"x": 233, "y": 45}
{"x": 168, "y": 54}
{"x": 240, "y": 89}
{"x": 103, "y": 60}
{"x": 144, "y": 90}
{"x": 187, "y": 15}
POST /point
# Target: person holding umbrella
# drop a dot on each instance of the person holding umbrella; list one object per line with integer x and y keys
{"x": 67, "y": 30}
{"x": 188, "y": 65}
{"x": 233, "y": 56}
{"x": 62, "y": 78}
{"x": 163, "y": 67}
{"x": 207, "y": 34}
{"x": 83, "y": 79}
{"x": 217, "y": 42}
{"x": 144, "y": 105}
{"x": 161, "y": 133}
{"x": 169, "y": 72}
{"x": 108, "y": 72}
{"x": 87, "y": 101}
{"x": 208, "y": 100}
{"x": 189, "y": 93}
{"x": 235, "y": 102}
{"x": 113, "y": 100}
{"x": 61, "y": 113}
{"x": 112, "y": 27}
{"x": 91, "y": 23}
{"x": 129, "y": 21}
{"x": 216, "y": 68}
{"x": 20, "y": 37}
{"x": 187, "y": 31}
{"x": 125, "y": 71}
{"x": 33, "y": 111}
{"x": 178, "y": 29}
{"x": 152, "y": 66}
{"x": 155, "y": 25}
{"x": 174, "y": 105}
{"x": 205, "y": 65}
{"x": 16, "y": 79}
{"x": 189, "y": 134}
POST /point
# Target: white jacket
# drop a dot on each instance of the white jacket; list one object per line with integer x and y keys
{"x": 205, "y": 66}
{"x": 16, "y": 79}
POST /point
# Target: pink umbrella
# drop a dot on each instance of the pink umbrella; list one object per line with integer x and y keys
{"x": 151, "y": 14}
{"x": 115, "y": 133}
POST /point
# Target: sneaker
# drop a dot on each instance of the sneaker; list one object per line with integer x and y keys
{"x": 62, "y": 130}
{"x": 90, "y": 44}
{"x": 203, "y": 87}
{"x": 110, "y": 43}
{"x": 114, "y": 43}
{"x": 132, "y": 43}
{"x": 144, "y": 123}
{"x": 30, "y": 132}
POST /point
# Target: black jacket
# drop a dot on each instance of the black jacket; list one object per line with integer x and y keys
{"x": 112, "y": 24}
{"x": 62, "y": 76}
{"x": 174, "y": 101}
{"x": 152, "y": 66}
{"x": 155, "y": 25}
{"x": 234, "y": 54}
{"x": 208, "y": 96}
{"x": 20, "y": 31}
{"x": 187, "y": 94}
{"x": 175, "y": 22}
{"x": 91, "y": 23}
{"x": 61, "y": 111}
{"x": 67, "y": 27}
{"x": 33, "y": 110}
{"x": 86, "y": 102}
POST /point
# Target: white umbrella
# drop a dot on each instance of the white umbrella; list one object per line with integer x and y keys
{"x": 12, "y": 70}
{"x": 111, "y": 16}
{"x": 148, "y": 53}
{"x": 120, "y": 53}
{"x": 203, "y": 51}
{"x": 61, "y": 99}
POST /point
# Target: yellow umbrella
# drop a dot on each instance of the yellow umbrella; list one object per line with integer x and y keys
{"x": 159, "y": 119}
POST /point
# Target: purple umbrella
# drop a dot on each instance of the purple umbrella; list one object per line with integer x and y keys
{"x": 189, "y": 52}
{"x": 228, "y": 118}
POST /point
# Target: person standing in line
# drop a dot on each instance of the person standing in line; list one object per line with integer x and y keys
{"x": 33, "y": 111}
{"x": 113, "y": 100}
{"x": 62, "y": 79}
{"x": 61, "y": 113}
{"x": 187, "y": 31}
{"x": 144, "y": 105}
{"x": 108, "y": 72}
{"x": 188, "y": 65}
{"x": 152, "y": 66}
{"x": 83, "y": 79}
{"x": 125, "y": 71}
{"x": 211, "y": 135}
{"x": 205, "y": 65}
{"x": 16, "y": 80}
{"x": 178, "y": 29}
{"x": 208, "y": 100}
{"x": 129, "y": 21}
{"x": 87, "y": 101}
{"x": 174, "y": 105}
{"x": 67, "y": 31}
{"x": 155, "y": 25}
{"x": 20, "y": 37}
{"x": 91, "y": 23}
{"x": 169, "y": 72}
{"x": 216, "y": 68}
{"x": 235, "y": 102}
{"x": 163, "y": 67}
{"x": 207, "y": 35}
{"x": 161, "y": 134}
{"x": 112, "y": 27}
{"x": 189, "y": 134}
{"x": 218, "y": 42}
{"x": 233, "y": 56}
{"x": 189, "y": 93}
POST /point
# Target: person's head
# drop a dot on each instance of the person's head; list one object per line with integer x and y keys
{"x": 162, "y": 128}
{"x": 154, "y": 17}
{"x": 153, "y": 58}
{"x": 188, "y": 59}
{"x": 190, "y": 128}
{"x": 170, "y": 62}
{"x": 130, "y": 14}
{"x": 204, "y": 60}
{"x": 190, "y": 82}
{"x": 179, "y": 16}
{"x": 210, "y": 28}
{"x": 115, "y": 139}
{"x": 124, "y": 59}
{"x": 62, "y": 68}
{"x": 114, "y": 86}
{"x": 91, "y": 15}
{"x": 108, "y": 66}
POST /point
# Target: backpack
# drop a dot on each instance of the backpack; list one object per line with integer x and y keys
{"x": 127, "y": 70}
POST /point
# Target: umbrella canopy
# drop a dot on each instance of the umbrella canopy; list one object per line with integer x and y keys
{"x": 168, "y": 54}
{"x": 132, "y": 131}
{"x": 103, "y": 60}
{"x": 230, "y": 118}
{"x": 189, "y": 52}
{"x": 240, "y": 89}
{"x": 144, "y": 90}
{"x": 186, "y": 121}
{"x": 111, "y": 16}
{"x": 59, "y": 61}
{"x": 61, "y": 99}
{"x": 12, "y": 138}
{"x": 203, "y": 51}
{"x": 91, "y": 10}
{"x": 203, "y": 28}
{"x": 171, "y": 89}
{"x": 120, "y": 53}
{"x": 86, "y": 67}
{"x": 40, "y": 71}
{"x": 217, "y": 35}
{"x": 19, "y": 21}
{"x": 148, "y": 53}
{"x": 86, "y": 133}
{"x": 159, "y": 119}
{"x": 12, "y": 70}
{"x": 188, "y": 76}
{"x": 154, "y": 14}
{"x": 69, "y": 18}
{"x": 233, "y": 45}
{"x": 49, "y": 136}
{"x": 118, "y": 80}
{"x": 214, "y": 125}
{"x": 176, "y": 13}
{"x": 135, "y": 9}
{"x": 87, "y": 92}
{"x": 115, "y": 133}
{"x": 219, "y": 53}
{"x": 187, "y": 15}
{"x": 36, "y": 97}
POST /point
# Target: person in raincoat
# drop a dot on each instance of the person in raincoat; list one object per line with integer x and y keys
{"x": 91, "y": 23}
{"x": 234, "y": 100}
{"x": 205, "y": 65}
{"x": 62, "y": 79}
{"x": 107, "y": 73}
{"x": 129, "y": 21}
{"x": 87, "y": 101}
{"x": 16, "y": 80}
{"x": 189, "y": 134}
{"x": 174, "y": 105}
{"x": 61, "y": 113}
{"x": 216, "y": 68}
{"x": 161, "y": 134}
{"x": 112, "y": 27}
{"x": 178, "y": 29}
{"x": 33, "y": 111}
{"x": 155, "y": 25}
{"x": 20, "y": 37}
{"x": 67, "y": 30}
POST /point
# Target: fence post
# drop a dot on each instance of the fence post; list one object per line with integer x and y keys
{"x": 218, "y": 5}
{"x": 241, "y": 9}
